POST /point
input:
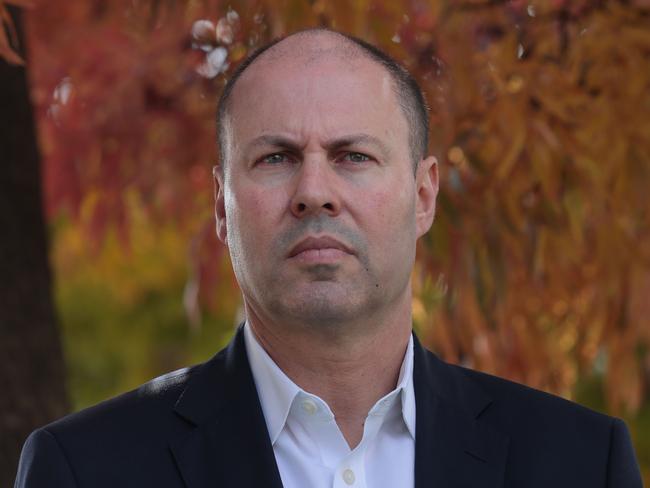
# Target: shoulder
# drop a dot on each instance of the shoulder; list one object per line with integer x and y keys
{"x": 503, "y": 402}
{"x": 102, "y": 435}
{"x": 145, "y": 404}
{"x": 555, "y": 435}
{"x": 143, "y": 418}
{"x": 542, "y": 424}
{"x": 162, "y": 408}
{"x": 132, "y": 431}
{"x": 528, "y": 414}
{"x": 529, "y": 417}
{"x": 513, "y": 402}
{"x": 136, "y": 430}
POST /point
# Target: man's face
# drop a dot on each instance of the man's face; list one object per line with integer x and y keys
{"x": 318, "y": 202}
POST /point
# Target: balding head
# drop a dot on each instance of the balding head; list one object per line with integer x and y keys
{"x": 318, "y": 45}
{"x": 309, "y": 46}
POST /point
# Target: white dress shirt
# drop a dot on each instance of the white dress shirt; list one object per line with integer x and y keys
{"x": 310, "y": 449}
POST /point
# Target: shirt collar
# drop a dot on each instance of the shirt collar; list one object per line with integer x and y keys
{"x": 277, "y": 392}
{"x": 405, "y": 383}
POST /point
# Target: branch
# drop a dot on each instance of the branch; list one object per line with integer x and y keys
{"x": 8, "y": 37}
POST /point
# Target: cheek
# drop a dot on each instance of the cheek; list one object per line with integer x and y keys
{"x": 252, "y": 214}
{"x": 247, "y": 234}
{"x": 392, "y": 229}
{"x": 390, "y": 208}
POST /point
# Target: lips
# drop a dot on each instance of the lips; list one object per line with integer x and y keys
{"x": 318, "y": 244}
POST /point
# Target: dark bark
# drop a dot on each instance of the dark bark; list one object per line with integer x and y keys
{"x": 32, "y": 390}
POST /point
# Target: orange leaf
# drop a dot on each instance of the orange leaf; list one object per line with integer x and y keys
{"x": 7, "y": 29}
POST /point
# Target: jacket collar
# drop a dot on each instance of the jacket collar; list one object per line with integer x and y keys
{"x": 222, "y": 439}
{"x": 277, "y": 392}
{"x": 453, "y": 447}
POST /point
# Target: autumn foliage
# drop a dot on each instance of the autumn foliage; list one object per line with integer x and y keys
{"x": 538, "y": 266}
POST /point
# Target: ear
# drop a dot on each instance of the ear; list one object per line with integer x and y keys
{"x": 219, "y": 206}
{"x": 426, "y": 181}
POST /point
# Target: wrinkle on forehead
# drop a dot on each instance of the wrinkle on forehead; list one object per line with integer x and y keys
{"x": 302, "y": 50}
{"x": 319, "y": 101}
{"x": 300, "y": 53}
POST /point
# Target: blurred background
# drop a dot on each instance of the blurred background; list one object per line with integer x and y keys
{"x": 537, "y": 268}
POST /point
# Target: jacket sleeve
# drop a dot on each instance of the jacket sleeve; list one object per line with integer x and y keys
{"x": 622, "y": 467}
{"x": 43, "y": 464}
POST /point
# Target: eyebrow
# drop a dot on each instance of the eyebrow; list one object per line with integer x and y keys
{"x": 277, "y": 140}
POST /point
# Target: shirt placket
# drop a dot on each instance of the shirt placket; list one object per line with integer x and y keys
{"x": 351, "y": 471}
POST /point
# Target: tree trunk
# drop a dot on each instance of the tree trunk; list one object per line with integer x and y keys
{"x": 32, "y": 373}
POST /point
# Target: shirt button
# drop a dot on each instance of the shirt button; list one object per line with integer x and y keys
{"x": 348, "y": 476}
{"x": 309, "y": 406}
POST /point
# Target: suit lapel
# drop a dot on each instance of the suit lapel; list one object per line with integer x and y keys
{"x": 224, "y": 440}
{"x": 453, "y": 447}
{"x": 221, "y": 438}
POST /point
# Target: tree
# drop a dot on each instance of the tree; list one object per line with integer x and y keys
{"x": 538, "y": 266}
{"x": 539, "y": 244}
{"x": 31, "y": 360}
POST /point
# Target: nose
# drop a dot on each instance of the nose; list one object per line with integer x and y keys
{"x": 315, "y": 190}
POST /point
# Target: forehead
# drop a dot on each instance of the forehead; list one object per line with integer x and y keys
{"x": 316, "y": 85}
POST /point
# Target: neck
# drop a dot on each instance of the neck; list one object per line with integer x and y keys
{"x": 350, "y": 371}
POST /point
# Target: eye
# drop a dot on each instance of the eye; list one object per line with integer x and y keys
{"x": 274, "y": 159}
{"x": 356, "y": 157}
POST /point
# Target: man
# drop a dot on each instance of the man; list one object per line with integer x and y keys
{"x": 322, "y": 190}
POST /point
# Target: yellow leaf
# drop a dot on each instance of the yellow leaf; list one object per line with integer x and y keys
{"x": 511, "y": 157}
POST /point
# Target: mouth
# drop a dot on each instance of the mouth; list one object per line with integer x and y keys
{"x": 320, "y": 249}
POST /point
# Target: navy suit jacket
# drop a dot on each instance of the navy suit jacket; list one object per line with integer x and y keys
{"x": 203, "y": 427}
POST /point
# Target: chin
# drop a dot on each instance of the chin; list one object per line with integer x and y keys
{"x": 326, "y": 310}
